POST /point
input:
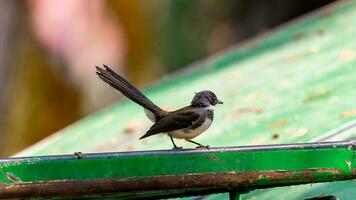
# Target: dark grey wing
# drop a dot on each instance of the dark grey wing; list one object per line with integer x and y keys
{"x": 176, "y": 120}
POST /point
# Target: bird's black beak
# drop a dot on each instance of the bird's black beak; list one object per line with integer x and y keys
{"x": 220, "y": 102}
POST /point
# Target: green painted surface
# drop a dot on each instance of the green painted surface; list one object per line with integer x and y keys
{"x": 258, "y": 167}
{"x": 294, "y": 85}
{"x": 126, "y": 165}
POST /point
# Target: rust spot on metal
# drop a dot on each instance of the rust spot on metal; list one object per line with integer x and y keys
{"x": 278, "y": 124}
{"x": 275, "y": 136}
{"x": 180, "y": 183}
{"x": 313, "y": 49}
{"x": 292, "y": 58}
{"x": 253, "y": 96}
{"x": 320, "y": 32}
{"x": 130, "y": 148}
{"x": 213, "y": 157}
{"x": 299, "y": 36}
{"x": 320, "y": 94}
{"x": 243, "y": 111}
{"x": 132, "y": 127}
{"x": 348, "y": 114}
{"x": 347, "y": 54}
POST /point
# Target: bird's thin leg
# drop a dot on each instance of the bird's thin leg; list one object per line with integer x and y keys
{"x": 174, "y": 145}
{"x": 199, "y": 145}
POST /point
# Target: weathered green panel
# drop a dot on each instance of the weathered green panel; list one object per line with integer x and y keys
{"x": 296, "y": 84}
{"x": 177, "y": 172}
{"x": 126, "y": 165}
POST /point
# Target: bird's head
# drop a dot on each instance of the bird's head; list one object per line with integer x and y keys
{"x": 205, "y": 98}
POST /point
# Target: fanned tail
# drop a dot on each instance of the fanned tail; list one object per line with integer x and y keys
{"x": 124, "y": 87}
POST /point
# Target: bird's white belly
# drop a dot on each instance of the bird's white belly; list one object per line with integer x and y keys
{"x": 191, "y": 133}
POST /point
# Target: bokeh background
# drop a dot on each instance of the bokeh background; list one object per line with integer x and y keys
{"x": 48, "y": 50}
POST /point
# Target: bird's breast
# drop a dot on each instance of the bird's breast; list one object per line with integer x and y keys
{"x": 190, "y": 133}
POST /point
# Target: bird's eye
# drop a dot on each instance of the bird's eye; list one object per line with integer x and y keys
{"x": 215, "y": 98}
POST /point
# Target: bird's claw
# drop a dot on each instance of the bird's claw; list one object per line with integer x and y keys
{"x": 79, "y": 155}
{"x": 203, "y": 146}
{"x": 177, "y": 148}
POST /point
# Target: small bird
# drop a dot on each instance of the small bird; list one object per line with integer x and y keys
{"x": 185, "y": 123}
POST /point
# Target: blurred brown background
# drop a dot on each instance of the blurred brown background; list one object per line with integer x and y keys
{"x": 48, "y": 50}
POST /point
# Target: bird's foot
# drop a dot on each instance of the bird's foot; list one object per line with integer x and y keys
{"x": 79, "y": 155}
{"x": 203, "y": 146}
{"x": 177, "y": 148}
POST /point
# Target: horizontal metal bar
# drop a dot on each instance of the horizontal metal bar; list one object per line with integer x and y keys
{"x": 293, "y": 146}
{"x": 175, "y": 173}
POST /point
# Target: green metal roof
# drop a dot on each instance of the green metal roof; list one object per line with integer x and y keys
{"x": 294, "y": 84}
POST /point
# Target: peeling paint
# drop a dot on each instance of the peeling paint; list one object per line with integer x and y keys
{"x": 278, "y": 124}
{"x": 13, "y": 178}
{"x": 348, "y": 163}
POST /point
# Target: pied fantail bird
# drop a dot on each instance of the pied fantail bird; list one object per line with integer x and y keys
{"x": 185, "y": 123}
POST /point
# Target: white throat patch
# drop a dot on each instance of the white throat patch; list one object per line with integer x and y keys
{"x": 210, "y": 107}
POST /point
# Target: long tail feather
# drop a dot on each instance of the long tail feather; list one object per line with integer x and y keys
{"x": 126, "y": 88}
